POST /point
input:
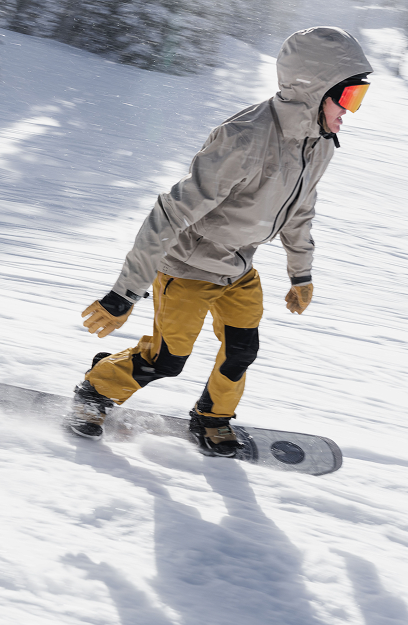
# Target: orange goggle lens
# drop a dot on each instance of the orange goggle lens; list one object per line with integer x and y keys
{"x": 352, "y": 97}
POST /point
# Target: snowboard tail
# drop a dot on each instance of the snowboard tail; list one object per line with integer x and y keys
{"x": 286, "y": 451}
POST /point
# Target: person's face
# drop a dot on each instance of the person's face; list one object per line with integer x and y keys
{"x": 333, "y": 113}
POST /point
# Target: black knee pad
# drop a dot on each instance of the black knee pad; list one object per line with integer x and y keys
{"x": 166, "y": 365}
{"x": 241, "y": 348}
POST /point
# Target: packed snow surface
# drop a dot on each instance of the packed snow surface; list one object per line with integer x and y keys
{"x": 151, "y": 532}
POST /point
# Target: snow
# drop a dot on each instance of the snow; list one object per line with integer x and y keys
{"x": 152, "y": 532}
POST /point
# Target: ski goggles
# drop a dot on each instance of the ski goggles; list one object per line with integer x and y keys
{"x": 352, "y": 97}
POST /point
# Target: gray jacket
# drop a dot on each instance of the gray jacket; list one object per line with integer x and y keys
{"x": 254, "y": 178}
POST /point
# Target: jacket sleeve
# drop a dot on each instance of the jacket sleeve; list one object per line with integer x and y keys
{"x": 298, "y": 242}
{"x": 215, "y": 170}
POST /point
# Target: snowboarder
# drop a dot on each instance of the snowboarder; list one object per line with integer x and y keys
{"x": 254, "y": 178}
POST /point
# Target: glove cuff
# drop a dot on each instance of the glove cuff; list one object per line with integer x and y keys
{"x": 301, "y": 280}
{"x": 115, "y": 304}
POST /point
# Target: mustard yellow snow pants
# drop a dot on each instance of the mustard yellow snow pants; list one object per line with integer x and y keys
{"x": 180, "y": 307}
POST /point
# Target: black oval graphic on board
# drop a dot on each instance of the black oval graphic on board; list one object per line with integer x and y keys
{"x": 287, "y": 452}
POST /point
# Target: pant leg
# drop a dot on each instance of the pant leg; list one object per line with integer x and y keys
{"x": 237, "y": 313}
{"x": 180, "y": 307}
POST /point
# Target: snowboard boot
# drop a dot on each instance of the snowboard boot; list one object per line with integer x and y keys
{"x": 214, "y": 435}
{"x": 89, "y": 407}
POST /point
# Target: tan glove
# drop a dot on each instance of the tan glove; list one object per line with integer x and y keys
{"x": 100, "y": 319}
{"x": 299, "y": 298}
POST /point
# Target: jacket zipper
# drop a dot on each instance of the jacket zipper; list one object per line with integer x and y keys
{"x": 293, "y": 191}
{"x": 243, "y": 259}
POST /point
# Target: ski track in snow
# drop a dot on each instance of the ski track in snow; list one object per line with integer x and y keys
{"x": 152, "y": 532}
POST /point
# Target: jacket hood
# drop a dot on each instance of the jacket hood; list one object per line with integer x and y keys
{"x": 310, "y": 63}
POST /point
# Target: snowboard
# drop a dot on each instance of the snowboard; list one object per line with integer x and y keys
{"x": 286, "y": 451}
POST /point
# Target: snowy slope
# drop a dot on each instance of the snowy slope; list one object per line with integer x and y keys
{"x": 152, "y": 532}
